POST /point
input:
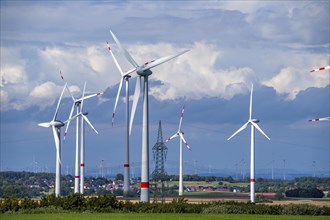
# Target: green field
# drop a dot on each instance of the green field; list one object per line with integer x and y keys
{"x": 133, "y": 216}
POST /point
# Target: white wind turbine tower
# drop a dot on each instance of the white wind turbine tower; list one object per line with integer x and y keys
{"x": 76, "y": 104}
{"x": 126, "y": 77}
{"x": 82, "y": 138}
{"x": 253, "y": 123}
{"x": 143, "y": 71}
{"x": 180, "y": 133}
{"x": 56, "y": 127}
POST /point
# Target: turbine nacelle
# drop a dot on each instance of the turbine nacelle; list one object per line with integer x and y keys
{"x": 144, "y": 72}
{"x": 255, "y": 120}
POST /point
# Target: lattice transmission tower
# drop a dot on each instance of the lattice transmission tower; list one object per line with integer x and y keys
{"x": 159, "y": 175}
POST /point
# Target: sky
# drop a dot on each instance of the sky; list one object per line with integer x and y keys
{"x": 233, "y": 44}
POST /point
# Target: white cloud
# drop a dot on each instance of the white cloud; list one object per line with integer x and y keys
{"x": 194, "y": 76}
{"x": 45, "y": 91}
{"x": 291, "y": 81}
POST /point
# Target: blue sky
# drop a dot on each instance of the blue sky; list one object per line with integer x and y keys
{"x": 272, "y": 44}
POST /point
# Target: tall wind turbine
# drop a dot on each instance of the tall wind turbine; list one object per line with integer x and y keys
{"x": 126, "y": 77}
{"x": 180, "y": 133}
{"x": 56, "y": 127}
{"x": 253, "y": 123}
{"x": 82, "y": 138}
{"x": 76, "y": 104}
{"x": 143, "y": 71}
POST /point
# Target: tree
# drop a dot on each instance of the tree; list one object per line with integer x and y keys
{"x": 119, "y": 176}
{"x": 305, "y": 193}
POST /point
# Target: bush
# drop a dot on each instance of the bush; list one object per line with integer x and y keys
{"x": 74, "y": 202}
{"x": 104, "y": 203}
{"x": 9, "y": 205}
{"x": 28, "y": 204}
{"x": 295, "y": 209}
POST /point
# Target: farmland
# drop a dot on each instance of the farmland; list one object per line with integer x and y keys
{"x": 133, "y": 216}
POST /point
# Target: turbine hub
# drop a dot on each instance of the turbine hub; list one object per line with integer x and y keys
{"x": 57, "y": 124}
{"x": 255, "y": 120}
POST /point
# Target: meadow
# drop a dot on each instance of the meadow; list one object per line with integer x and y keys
{"x": 140, "y": 216}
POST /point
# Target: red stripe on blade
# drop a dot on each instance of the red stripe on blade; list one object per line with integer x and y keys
{"x": 252, "y": 180}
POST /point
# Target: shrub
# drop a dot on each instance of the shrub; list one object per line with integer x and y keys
{"x": 9, "y": 205}
{"x": 298, "y": 209}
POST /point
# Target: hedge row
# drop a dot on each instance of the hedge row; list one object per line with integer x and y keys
{"x": 78, "y": 203}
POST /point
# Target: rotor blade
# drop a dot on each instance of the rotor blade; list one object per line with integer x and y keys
{"x": 173, "y": 136}
{"x": 239, "y": 130}
{"x": 321, "y": 68}
{"x": 82, "y": 98}
{"x": 90, "y": 124}
{"x": 45, "y": 124}
{"x": 124, "y": 51}
{"x": 118, "y": 93}
{"x": 59, "y": 102}
{"x": 72, "y": 118}
{"x": 250, "y": 117}
{"x": 257, "y": 127}
{"x": 67, "y": 87}
{"x": 320, "y": 119}
{"x": 159, "y": 61}
{"x": 135, "y": 101}
{"x": 184, "y": 141}
{"x": 57, "y": 143}
{"x": 181, "y": 117}
{"x": 67, "y": 125}
{"x": 115, "y": 60}
{"x": 90, "y": 96}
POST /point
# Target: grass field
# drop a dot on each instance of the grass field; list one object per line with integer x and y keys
{"x": 133, "y": 216}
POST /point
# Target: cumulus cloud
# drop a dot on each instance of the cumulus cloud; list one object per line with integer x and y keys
{"x": 291, "y": 81}
{"x": 193, "y": 75}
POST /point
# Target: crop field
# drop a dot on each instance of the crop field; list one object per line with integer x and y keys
{"x": 133, "y": 216}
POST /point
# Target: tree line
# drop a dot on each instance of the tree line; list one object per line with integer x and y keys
{"x": 32, "y": 185}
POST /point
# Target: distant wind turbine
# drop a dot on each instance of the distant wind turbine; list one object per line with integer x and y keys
{"x": 180, "y": 133}
{"x": 143, "y": 71}
{"x": 82, "y": 140}
{"x": 253, "y": 123}
{"x": 56, "y": 127}
{"x": 76, "y": 104}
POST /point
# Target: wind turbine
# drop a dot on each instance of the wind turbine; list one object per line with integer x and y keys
{"x": 56, "y": 127}
{"x": 82, "y": 138}
{"x": 180, "y": 133}
{"x": 126, "y": 77}
{"x": 253, "y": 123}
{"x": 76, "y": 104}
{"x": 143, "y": 71}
